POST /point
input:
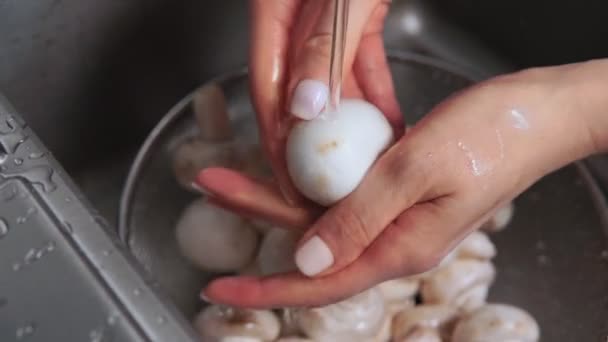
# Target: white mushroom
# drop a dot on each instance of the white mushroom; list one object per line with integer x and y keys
{"x": 327, "y": 157}
{"x": 193, "y": 155}
{"x": 252, "y": 269}
{"x": 497, "y": 322}
{"x": 357, "y": 318}
{"x": 399, "y": 293}
{"x": 211, "y": 114}
{"x": 289, "y": 322}
{"x": 384, "y": 335}
{"x": 276, "y": 253}
{"x": 463, "y": 283}
{"x": 501, "y": 218}
{"x": 215, "y": 239}
{"x": 417, "y": 323}
{"x": 420, "y": 334}
{"x": 222, "y": 324}
{"x": 476, "y": 245}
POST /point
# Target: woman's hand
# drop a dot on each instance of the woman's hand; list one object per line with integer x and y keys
{"x": 289, "y": 67}
{"x": 472, "y": 153}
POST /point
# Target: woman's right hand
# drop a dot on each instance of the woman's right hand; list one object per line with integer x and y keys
{"x": 289, "y": 68}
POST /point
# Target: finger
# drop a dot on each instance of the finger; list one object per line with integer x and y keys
{"x": 239, "y": 193}
{"x": 271, "y": 20}
{"x": 307, "y": 89}
{"x": 397, "y": 181}
{"x": 351, "y": 88}
{"x": 373, "y": 73}
{"x": 414, "y": 243}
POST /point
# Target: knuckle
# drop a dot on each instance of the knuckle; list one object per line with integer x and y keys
{"x": 422, "y": 261}
{"x": 319, "y": 45}
{"x": 353, "y": 229}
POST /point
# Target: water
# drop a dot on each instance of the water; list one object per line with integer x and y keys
{"x": 25, "y": 331}
{"x": 161, "y": 319}
{"x": 3, "y": 302}
{"x": 136, "y": 292}
{"x": 21, "y": 219}
{"x": 34, "y": 254}
{"x": 40, "y": 175}
{"x": 18, "y": 161}
{"x": 106, "y": 253}
{"x": 3, "y": 228}
{"x": 36, "y": 155}
{"x": 112, "y": 319}
{"x": 96, "y": 335}
{"x": 11, "y": 141}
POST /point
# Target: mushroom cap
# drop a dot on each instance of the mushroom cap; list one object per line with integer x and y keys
{"x": 500, "y": 220}
{"x": 215, "y": 239}
{"x": 399, "y": 293}
{"x": 354, "y": 319}
{"x": 497, "y": 322}
{"x": 438, "y": 317}
{"x": 277, "y": 250}
{"x": 193, "y": 155}
{"x": 220, "y": 323}
{"x": 420, "y": 334}
{"x": 477, "y": 245}
{"x": 463, "y": 283}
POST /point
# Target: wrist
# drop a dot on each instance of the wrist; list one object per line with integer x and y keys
{"x": 588, "y": 87}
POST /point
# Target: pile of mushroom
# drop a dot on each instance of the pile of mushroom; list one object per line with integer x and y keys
{"x": 448, "y": 303}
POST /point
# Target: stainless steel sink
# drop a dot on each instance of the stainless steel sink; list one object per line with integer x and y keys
{"x": 92, "y": 78}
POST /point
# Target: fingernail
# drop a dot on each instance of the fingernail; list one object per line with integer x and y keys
{"x": 200, "y": 189}
{"x": 314, "y": 257}
{"x": 309, "y": 98}
{"x": 205, "y": 298}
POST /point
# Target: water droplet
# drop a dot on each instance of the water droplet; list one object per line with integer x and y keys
{"x": 3, "y": 302}
{"x": 604, "y": 254}
{"x": 160, "y": 319}
{"x": 21, "y": 219}
{"x": 40, "y": 175}
{"x": 18, "y": 161}
{"x": 540, "y": 245}
{"x": 111, "y": 320}
{"x": 30, "y": 256}
{"x": 9, "y": 192}
{"x": 11, "y": 140}
{"x": 3, "y": 228}
{"x": 543, "y": 260}
{"x": 136, "y": 292}
{"x": 16, "y": 266}
{"x": 68, "y": 227}
{"x": 106, "y": 253}
{"x": 96, "y": 335}
{"x": 15, "y": 122}
{"x": 25, "y": 330}
{"x": 68, "y": 200}
{"x": 36, "y": 155}
{"x": 50, "y": 246}
{"x": 100, "y": 221}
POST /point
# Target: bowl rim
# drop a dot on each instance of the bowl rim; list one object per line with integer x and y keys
{"x": 145, "y": 151}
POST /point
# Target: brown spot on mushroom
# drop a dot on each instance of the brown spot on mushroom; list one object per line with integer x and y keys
{"x": 325, "y": 148}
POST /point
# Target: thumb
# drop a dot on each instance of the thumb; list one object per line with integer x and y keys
{"x": 307, "y": 89}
